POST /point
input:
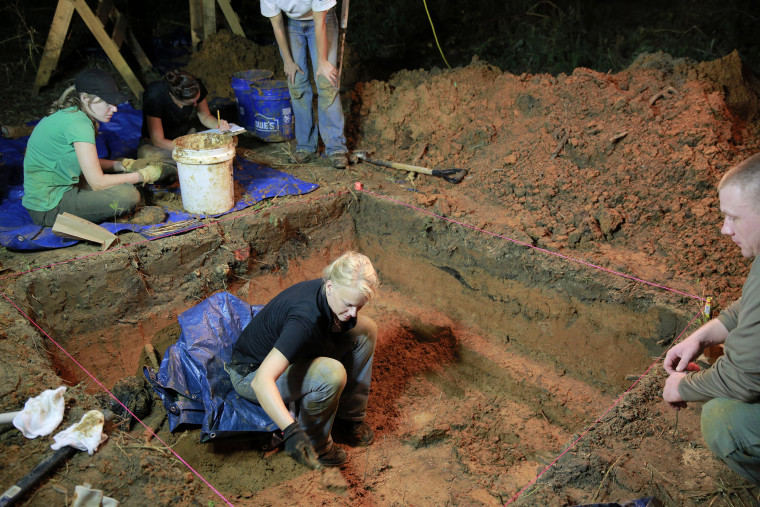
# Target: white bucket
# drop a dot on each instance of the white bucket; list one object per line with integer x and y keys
{"x": 204, "y": 168}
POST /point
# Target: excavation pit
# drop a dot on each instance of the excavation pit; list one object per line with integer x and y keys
{"x": 492, "y": 357}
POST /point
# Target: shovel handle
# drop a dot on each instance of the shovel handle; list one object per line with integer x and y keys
{"x": 403, "y": 167}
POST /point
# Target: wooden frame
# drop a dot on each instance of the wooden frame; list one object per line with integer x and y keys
{"x": 96, "y": 23}
{"x": 203, "y": 19}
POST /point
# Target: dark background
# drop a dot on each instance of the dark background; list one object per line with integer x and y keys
{"x": 388, "y": 35}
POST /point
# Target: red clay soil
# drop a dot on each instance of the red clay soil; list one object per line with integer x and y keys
{"x": 617, "y": 169}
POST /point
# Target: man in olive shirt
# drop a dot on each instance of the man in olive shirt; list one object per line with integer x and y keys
{"x": 731, "y": 387}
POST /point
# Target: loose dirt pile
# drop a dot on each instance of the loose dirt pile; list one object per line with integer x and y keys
{"x": 621, "y": 168}
{"x": 224, "y": 53}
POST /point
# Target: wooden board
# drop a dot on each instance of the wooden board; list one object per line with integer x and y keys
{"x": 70, "y": 226}
{"x": 96, "y": 23}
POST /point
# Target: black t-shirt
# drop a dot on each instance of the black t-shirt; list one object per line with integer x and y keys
{"x": 157, "y": 102}
{"x": 298, "y": 322}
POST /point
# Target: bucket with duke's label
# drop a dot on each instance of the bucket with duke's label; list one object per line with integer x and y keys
{"x": 241, "y": 85}
{"x": 273, "y": 112}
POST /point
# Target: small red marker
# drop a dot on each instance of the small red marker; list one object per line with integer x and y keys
{"x": 692, "y": 367}
{"x": 358, "y": 186}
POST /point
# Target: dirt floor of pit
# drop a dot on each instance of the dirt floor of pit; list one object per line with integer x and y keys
{"x": 475, "y": 420}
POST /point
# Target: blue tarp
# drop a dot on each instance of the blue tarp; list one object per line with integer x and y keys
{"x": 118, "y": 138}
{"x": 17, "y": 231}
{"x": 191, "y": 381}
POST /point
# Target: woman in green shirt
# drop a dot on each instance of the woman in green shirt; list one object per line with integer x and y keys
{"x": 62, "y": 149}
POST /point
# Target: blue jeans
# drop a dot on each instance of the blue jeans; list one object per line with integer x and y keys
{"x": 303, "y": 45}
{"x": 732, "y": 433}
{"x": 336, "y": 384}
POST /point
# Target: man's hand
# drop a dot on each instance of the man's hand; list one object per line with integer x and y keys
{"x": 327, "y": 70}
{"x": 678, "y": 357}
{"x": 670, "y": 392}
{"x": 298, "y": 447}
{"x": 291, "y": 69}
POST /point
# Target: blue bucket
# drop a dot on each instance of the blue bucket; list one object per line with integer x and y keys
{"x": 241, "y": 84}
{"x": 273, "y": 122}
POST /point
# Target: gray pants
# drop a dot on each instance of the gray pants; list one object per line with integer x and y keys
{"x": 336, "y": 384}
{"x": 732, "y": 433}
{"x": 93, "y": 205}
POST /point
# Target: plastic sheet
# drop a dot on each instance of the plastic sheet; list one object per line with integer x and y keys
{"x": 18, "y": 232}
{"x": 191, "y": 381}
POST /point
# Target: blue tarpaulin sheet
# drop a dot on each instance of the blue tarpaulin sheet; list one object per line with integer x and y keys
{"x": 119, "y": 138}
{"x": 191, "y": 381}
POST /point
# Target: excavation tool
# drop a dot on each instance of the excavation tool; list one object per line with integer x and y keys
{"x": 450, "y": 175}
{"x": 343, "y": 26}
{"x": 13, "y": 494}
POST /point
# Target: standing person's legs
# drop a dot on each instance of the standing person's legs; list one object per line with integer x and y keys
{"x": 330, "y": 110}
{"x": 93, "y": 205}
{"x": 316, "y": 385}
{"x": 301, "y": 94}
{"x": 731, "y": 431}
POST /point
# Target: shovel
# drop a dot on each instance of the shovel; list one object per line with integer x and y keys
{"x": 450, "y": 175}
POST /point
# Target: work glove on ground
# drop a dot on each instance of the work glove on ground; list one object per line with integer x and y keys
{"x": 298, "y": 447}
{"x": 150, "y": 174}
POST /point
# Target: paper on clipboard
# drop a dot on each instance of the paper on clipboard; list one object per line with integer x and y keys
{"x": 234, "y": 130}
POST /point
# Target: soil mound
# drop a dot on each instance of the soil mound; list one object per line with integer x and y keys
{"x": 622, "y": 167}
{"x": 224, "y": 53}
{"x": 732, "y": 76}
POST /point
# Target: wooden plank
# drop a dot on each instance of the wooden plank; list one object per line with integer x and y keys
{"x": 52, "y": 52}
{"x": 232, "y": 18}
{"x": 132, "y": 42}
{"x": 104, "y": 10}
{"x": 72, "y": 226}
{"x": 137, "y": 50}
{"x": 196, "y": 23}
{"x": 96, "y": 27}
{"x": 119, "y": 28}
{"x": 209, "y": 18}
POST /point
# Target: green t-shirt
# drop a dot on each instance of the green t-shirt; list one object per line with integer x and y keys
{"x": 50, "y": 164}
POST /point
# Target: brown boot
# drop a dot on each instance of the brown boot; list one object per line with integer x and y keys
{"x": 334, "y": 456}
{"x": 353, "y": 433}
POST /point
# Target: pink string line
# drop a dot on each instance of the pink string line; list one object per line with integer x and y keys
{"x": 134, "y": 244}
{"x": 117, "y": 400}
{"x": 174, "y": 233}
{"x": 598, "y": 420}
{"x": 380, "y": 196}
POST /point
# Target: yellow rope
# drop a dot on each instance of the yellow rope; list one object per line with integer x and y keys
{"x": 424, "y": 2}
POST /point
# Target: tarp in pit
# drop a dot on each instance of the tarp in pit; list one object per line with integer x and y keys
{"x": 191, "y": 380}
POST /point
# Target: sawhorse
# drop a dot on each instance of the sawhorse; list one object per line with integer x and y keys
{"x": 97, "y": 25}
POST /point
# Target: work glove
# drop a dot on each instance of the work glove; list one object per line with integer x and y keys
{"x": 298, "y": 447}
{"x": 150, "y": 174}
{"x": 129, "y": 165}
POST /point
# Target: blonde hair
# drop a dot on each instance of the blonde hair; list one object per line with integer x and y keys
{"x": 355, "y": 270}
{"x": 69, "y": 99}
